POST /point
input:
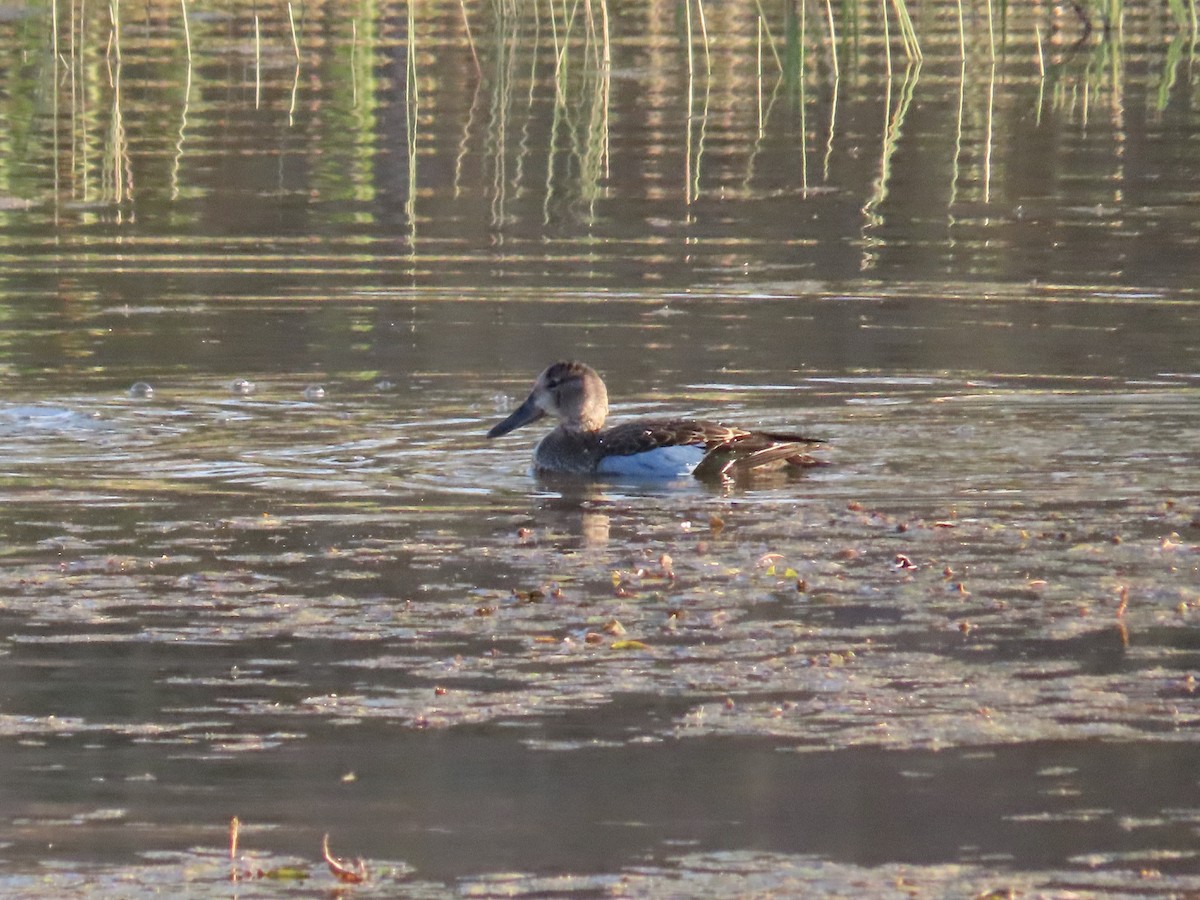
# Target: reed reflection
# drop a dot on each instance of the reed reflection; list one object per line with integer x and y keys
{"x": 592, "y": 143}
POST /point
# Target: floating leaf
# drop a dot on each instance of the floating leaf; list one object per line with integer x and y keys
{"x": 629, "y": 645}
{"x": 285, "y": 873}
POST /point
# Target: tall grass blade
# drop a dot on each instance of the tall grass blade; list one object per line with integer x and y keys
{"x": 462, "y": 5}
{"x": 704, "y": 36}
{"x": 962, "y": 34}
{"x": 762, "y": 18}
{"x": 411, "y": 102}
{"x": 257, "y": 63}
{"x": 832, "y": 38}
{"x": 292, "y": 23}
{"x": 187, "y": 33}
{"x": 887, "y": 40}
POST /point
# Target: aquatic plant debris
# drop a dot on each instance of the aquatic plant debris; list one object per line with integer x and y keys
{"x": 238, "y": 872}
{"x": 347, "y": 871}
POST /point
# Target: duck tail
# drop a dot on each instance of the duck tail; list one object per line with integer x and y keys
{"x": 732, "y": 460}
{"x": 783, "y": 437}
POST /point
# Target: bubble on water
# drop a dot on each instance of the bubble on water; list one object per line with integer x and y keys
{"x": 385, "y": 385}
{"x": 314, "y": 392}
{"x": 140, "y": 390}
{"x": 242, "y": 386}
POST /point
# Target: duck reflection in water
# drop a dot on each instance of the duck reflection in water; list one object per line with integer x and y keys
{"x": 574, "y": 394}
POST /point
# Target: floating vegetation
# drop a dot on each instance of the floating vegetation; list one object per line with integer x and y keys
{"x": 346, "y": 871}
{"x": 803, "y": 620}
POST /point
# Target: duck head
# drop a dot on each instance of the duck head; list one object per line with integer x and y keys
{"x": 569, "y": 391}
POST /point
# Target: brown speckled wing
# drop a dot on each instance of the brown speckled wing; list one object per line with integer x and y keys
{"x": 729, "y": 451}
{"x": 640, "y": 437}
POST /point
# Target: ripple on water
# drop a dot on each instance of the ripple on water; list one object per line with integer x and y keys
{"x": 16, "y": 421}
{"x": 930, "y": 590}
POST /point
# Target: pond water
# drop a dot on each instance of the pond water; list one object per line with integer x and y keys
{"x": 265, "y": 284}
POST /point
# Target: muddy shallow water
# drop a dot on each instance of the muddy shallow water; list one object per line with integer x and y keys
{"x": 258, "y": 559}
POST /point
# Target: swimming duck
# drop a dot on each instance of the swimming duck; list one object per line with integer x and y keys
{"x": 657, "y": 448}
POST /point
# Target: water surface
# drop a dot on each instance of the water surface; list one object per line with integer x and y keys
{"x": 294, "y": 584}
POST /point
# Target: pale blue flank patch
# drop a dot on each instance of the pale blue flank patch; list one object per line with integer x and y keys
{"x": 662, "y": 462}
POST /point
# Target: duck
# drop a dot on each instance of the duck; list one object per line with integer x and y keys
{"x": 574, "y": 394}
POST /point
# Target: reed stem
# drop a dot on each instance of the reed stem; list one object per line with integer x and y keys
{"x": 704, "y": 35}
{"x": 832, "y": 38}
{"x": 991, "y": 32}
{"x": 295, "y": 39}
{"x": 187, "y": 31}
{"x": 887, "y": 39}
{"x": 762, "y": 18}
{"x": 470, "y": 39}
{"x": 962, "y": 34}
